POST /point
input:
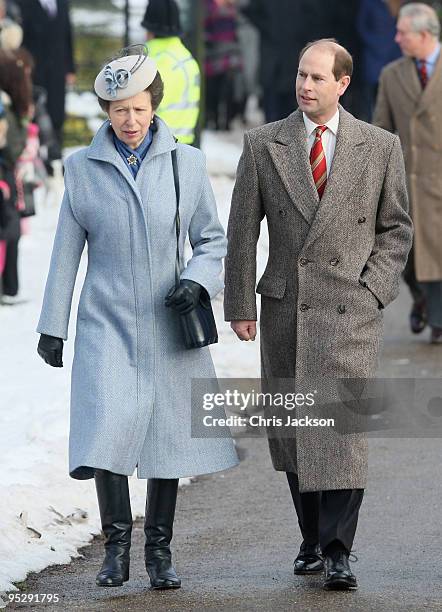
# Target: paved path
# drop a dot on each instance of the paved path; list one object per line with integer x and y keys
{"x": 236, "y": 533}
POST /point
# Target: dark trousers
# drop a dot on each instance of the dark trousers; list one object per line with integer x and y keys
{"x": 410, "y": 278}
{"x": 327, "y": 517}
{"x": 10, "y": 272}
{"x": 219, "y": 101}
{"x": 426, "y": 294}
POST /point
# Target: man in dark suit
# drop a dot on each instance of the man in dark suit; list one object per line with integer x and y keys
{"x": 47, "y": 34}
{"x": 333, "y": 191}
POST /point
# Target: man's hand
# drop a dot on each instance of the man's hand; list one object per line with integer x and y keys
{"x": 245, "y": 330}
{"x": 50, "y": 350}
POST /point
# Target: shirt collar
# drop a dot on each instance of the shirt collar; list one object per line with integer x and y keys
{"x": 432, "y": 58}
{"x": 332, "y": 124}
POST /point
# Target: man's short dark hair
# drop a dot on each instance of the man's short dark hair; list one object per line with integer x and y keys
{"x": 343, "y": 65}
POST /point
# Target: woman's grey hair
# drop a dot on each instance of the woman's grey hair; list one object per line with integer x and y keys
{"x": 423, "y": 18}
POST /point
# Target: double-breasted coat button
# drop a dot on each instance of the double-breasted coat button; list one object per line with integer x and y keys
{"x": 334, "y": 261}
{"x": 304, "y": 307}
{"x": 341, "y": 308}
{"x": 303, "y": 261}
{"x": 362, "y": 220}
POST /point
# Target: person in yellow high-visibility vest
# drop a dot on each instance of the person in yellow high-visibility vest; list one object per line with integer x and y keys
{"x": 179, "y": 70}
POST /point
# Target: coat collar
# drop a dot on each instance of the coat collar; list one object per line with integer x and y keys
{"x": 102, "y": 146}
{"x": 409, "y": 77}
{"x": 290, "y": 155}
{"x": 432, "y": 90}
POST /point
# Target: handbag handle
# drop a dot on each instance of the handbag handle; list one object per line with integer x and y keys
{"x": 176, "y": 181}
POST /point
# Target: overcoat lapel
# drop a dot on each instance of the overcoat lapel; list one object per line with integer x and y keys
{"x": 409, "y": 78}
{"x": 290, "y": 156}
{"x": 432, "y": 88}
{"x": 350, "y": 160}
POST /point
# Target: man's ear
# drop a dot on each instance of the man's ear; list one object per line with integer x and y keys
{"x": 344, "y": 82}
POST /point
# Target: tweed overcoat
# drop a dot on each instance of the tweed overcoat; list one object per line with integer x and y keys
{"x": 416, "y": 116}
{"x": 318, "y": 321}
{"x": 131, "y": 376}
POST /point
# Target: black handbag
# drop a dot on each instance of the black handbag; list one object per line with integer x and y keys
{"x": 198, "y": 326}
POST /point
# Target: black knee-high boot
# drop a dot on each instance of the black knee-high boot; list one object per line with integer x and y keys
{"x": 158, "y": 527}
{"x": 116, "y": 522}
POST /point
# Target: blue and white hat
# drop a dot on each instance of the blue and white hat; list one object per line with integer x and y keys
{"x": 125, "y": 77}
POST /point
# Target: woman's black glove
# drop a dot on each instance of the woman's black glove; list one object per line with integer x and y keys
{"x": 50, "y": 350}
{"x": 185, "y": 298}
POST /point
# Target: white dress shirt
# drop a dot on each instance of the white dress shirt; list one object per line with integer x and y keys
{"x": 50, "y": 6}
{"x": 328, "y": 137}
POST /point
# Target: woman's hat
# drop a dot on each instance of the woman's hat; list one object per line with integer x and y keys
{"x": 162, "y": 18}
{"x": 125, "y": 77}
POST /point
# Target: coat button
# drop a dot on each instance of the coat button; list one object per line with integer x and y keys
{"x": 303, "y": 261}
{"x": 282, "y": 212}
{"x": 341, "y": 308}
{"x": 334, "y": 261}
{"x": 304, "y": 307}
{"x": 362, "y": 220}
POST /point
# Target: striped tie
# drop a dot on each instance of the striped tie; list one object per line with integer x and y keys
{"x": 423, "y": 74}
{"x": 318, "y": 161}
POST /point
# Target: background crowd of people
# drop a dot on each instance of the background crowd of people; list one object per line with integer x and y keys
{"x": 245, "y": 48}
{"x": 36, "y": 61}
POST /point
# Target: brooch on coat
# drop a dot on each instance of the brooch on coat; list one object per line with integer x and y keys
{"x": 132, "y": 160}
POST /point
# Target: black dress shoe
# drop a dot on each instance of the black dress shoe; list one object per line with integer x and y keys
{"x": 338, "y": 575}
{"x": 309, "y": 560}
{"x": 436, "y": 335}
{"x": 418, "y": 318}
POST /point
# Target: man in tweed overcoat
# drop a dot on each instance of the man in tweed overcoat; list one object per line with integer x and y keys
{"x": 335, "y": 202}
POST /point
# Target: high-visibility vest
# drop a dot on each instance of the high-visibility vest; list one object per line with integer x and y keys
{"x": 181, "y": 77}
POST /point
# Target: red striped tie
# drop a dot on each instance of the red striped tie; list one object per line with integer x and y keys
{"x": 423, "y": 74}
{"x": 318, "y": 161}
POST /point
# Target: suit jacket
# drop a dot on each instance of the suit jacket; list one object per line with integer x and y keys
{"x": 331, "y": 264}
{"x": 416, "y": 115}
{"x": 49, "y": 39}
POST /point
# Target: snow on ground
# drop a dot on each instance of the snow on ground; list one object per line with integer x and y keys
{"x": 45, "y": 516}
{"x": 112, "y": 22}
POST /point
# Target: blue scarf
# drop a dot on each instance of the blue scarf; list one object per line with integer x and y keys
{"x": 137, "y": 155}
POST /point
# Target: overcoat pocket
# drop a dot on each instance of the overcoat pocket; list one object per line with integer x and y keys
{"x": 271, "y": 285}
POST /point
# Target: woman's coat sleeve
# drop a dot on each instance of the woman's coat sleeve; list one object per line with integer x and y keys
{"x": 209, "y": 243}
{"x": 66, "y": 253}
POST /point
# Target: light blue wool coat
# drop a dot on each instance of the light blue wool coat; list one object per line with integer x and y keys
{"x": 131, "y": 376}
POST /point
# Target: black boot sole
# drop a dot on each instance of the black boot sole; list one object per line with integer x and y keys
{"x": 340, "y": 584}
{"x": 115, "y": 583}
{"x": 163, "y": 587}
{"x": 308, "y": 572}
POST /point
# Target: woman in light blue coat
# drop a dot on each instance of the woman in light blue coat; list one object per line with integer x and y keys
{"x": 131, "y": 376}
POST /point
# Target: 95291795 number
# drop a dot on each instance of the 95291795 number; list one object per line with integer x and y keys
{"x": 32, "y": 597}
